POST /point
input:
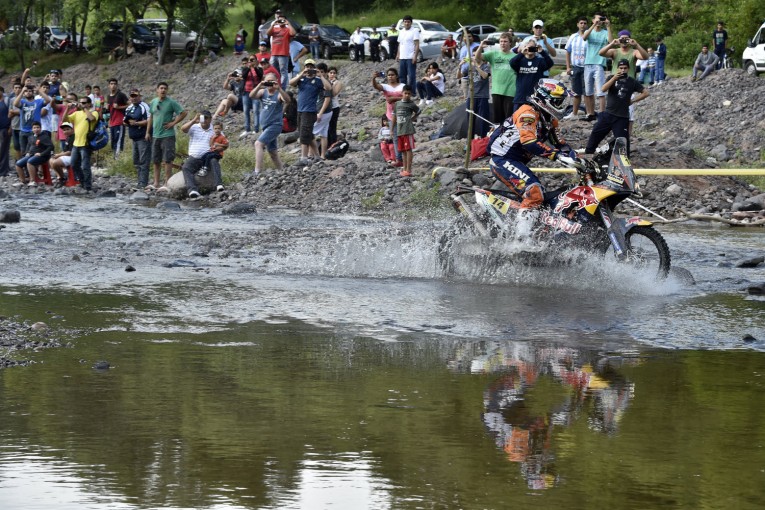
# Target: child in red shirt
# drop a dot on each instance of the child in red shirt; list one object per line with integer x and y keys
{"x": 218, "y": 144}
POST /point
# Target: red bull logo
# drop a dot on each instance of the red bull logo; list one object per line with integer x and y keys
{"x": 560, "y": 223}
{"x": 581, "y": 196}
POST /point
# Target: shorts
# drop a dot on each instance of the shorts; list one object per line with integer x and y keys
{"x": 163, "y": 149}
{"x": 594, "y": 79}
{"x": 66, "y": 160}
{"x": 321, "y": 127}
{"x": 306, "y": 120}
{"x": 577, "y": 80}
{"x": 405, "y": 143}
{"x": 269, "y": 135}
{"x": 238, "y": 107}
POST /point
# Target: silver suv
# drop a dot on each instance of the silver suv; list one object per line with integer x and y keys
{"x": 183, "y": 38}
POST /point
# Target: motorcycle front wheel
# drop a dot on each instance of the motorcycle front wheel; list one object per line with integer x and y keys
{"x": 646, "y": 250}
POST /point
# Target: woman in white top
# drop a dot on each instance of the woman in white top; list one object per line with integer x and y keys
{"x": 432, "y": 84}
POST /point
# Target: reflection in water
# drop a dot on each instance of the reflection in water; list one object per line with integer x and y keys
{"x": 543, "y": 386}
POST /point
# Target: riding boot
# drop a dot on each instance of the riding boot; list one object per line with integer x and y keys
{"x": 532, "y": 198}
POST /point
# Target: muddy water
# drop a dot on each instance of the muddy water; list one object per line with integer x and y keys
{"x": 315, "y": 361}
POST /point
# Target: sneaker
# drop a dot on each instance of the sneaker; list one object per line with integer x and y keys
{"x": 18, "y": 184}
{"x": 429, "y": 102}
{"x": 589, "y": 118}
{"x": 693, "y": 78}
{"x": 32, "y": 184}
{"x": 398, "y": 164}
{"x": 422, "y": 102}
{"x": 405, "y": 174}
{"x": 255, "y": 172}
{"x": 305, "y": 161}
{"x": 244, "y": 134}
{"x": 202, "y": 171}
{"x": 219, "y": 188}
{"x": 194, "y": 194}
{"x": 570, "y": 116}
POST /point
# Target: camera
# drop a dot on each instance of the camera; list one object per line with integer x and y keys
{"x": 310, "y": 72}
{"x": 601, "y": 18}
{"x": 624, "y": 40}
{"x": 532, "y": 49}
{"x": 269, "y": 83}
{"x": 381, "y": 74}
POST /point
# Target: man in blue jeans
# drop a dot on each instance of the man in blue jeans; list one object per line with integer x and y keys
{"x": 408, "y": 49}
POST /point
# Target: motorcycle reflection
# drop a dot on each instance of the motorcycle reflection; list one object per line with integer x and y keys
{"x": 543, "y": 388}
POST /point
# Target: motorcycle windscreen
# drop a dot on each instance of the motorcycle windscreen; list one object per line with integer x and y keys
{"x": 620, "y": 169}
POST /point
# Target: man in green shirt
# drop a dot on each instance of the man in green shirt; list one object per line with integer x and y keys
{"x": 165, "y": 114}
{"x": 502, "y": 77}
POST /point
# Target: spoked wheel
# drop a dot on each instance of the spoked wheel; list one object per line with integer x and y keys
{"x": 647, "y": 250}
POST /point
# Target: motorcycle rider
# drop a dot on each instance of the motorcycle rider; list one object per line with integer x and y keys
{"x": 531, "y": 131}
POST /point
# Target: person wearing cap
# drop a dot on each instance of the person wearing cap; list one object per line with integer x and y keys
{"x": 137, "y": 119}
{"x": 266, "y": 67}
{"x": 706, "y": 62}
{"x": 619, "y": 88}
{"x": 200, "y": 132}
{"x": 262, "y": 53}
{"x": 281, "y": 33}
{"x": 597, "y": 35}
{"x": 544, "y": 43}
{"x": 60, "y": 161}
{"x": 624, "y": 47}
{"x": 310, "y": 86}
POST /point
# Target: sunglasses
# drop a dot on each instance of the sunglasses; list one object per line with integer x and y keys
{"x": 83, "y": 103}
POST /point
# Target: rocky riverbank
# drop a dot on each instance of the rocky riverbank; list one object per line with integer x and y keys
{"x": 16, "y": 336}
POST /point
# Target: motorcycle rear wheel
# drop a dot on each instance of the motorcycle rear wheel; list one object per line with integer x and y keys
{"x": 646, "y": 250}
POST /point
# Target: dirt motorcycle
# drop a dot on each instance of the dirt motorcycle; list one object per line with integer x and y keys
{"x": 577, "y": 217}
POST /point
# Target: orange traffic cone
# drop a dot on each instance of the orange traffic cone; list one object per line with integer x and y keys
{"x": 71, "y": 180}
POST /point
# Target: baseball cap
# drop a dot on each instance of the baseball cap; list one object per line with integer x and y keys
{"x": 623, "y": 62}
{"x": 66, "y": 124}
{"x": 538, "y": 23}
{"x": 625, "y": 33}
{"x": 264, "y": 59}
{"x": 263, "y": 43}
{"x": 310, "y": 61}
{"x": 135, "y": 92}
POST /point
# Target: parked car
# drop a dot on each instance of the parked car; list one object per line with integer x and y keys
{"x": 333, "y": 39}
{"x": 384, "y": 46}
{"x": 52, "y": 37}
{"x": 183, "y": 38}
{"x": 480, "y": 31}
{"x": 559, "y": 43}
{"x": 753, "y": 57}
{"x": 142, "y": 38}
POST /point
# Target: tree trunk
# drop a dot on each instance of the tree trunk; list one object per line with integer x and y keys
{"x": 200, "y": 35}
{"x": 82, "y": 28}
{"x": 169, "y": 9}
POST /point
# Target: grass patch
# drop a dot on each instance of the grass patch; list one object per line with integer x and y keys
{"x": 426, "y": 198}
{"x": 374, "y": 201}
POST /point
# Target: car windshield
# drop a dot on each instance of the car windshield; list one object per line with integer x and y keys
{"x": 141, "y": 30}
{"x": 57, "y": 31}
{"x": 431, "y": 26}
{"x": 335, "y": 31}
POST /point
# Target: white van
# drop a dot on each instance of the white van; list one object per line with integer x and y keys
{"x": 754, "y": 55}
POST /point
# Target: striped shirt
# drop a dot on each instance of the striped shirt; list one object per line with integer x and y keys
{"x": 577, "y": 48}
{"x": 199, "y": 140}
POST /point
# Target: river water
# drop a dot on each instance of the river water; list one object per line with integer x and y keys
{"x": 283, "y": 360}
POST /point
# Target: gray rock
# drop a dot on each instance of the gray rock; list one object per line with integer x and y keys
{"x": 682, "y": 275}
{"x": 138, "y": 196}
{"x": 240, "y": 208}
{"x": 720, "y": 152}
{"x": 129, "y": 269}
{"x": 756, "y": 290}
{"x": 749, "y": 263}
{"x": 10, "y": 217}
{"x": 170, "y": 205}
{"x": 674, "y": 190}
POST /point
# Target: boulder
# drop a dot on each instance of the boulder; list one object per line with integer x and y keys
{"x": 752, "y": 262}
{"x": 176, "y": 185}
{"x": 10, "y": 216}
{"x": 240, "y": 208}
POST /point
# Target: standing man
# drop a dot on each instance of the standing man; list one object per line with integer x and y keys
{"x": 375, "y": 38}
{"x": 408, "y": 49}
{"x": 503, "y": 76}
{"x": 15, "y": 119}
{"x": 530, "y": 65}
{"x": 200, "y": 132}
{"x": 137, "y": 119}
{"x": 5, "y": 134}
{"x": 116, "y": 102}
{"x": 30, "y": 108}
{"x": 310, "y": 87}
{"x": 314, "y": 41}
{"x": 597, "y": 36}
{"x": 82, "y": 118}
{"x": 616, "y": 116}
{"x": 357, "y": 40}
{"x": 281, "y": 32}
{"x": 720, "y": 42}
{"x": 624, "y": 48}
{"x": 251, "y": 76}
{"x": 393, "y": 41}
{"x": 263, "y": 32}
{"x": 661, "y": 56}
{"x": 576, "y": 51}
{"x": 543, "y": 42}
{"x": 165, "y": 113}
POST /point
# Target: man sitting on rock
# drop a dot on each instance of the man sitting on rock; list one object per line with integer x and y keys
{"x": 200, "y": 132}
{"x": 705, "y": 62}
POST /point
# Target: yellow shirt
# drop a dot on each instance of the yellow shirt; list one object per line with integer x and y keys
{"x": 80, "y": 122}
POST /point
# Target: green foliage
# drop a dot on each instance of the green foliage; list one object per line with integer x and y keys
{"x": 373, "y": 201}
{"x": 426, "y": 197}
{"x": 362, "y": 135}
{"x": 237, "y": 162}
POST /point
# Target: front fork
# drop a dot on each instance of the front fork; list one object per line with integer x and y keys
{"x": 615, "y": 229}
{"x": 463, "y": 208}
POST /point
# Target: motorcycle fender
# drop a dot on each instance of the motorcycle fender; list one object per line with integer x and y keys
{"x": 600, "y": 194}
{"x": 626, "y": 224}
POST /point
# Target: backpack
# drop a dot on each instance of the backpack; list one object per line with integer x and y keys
{"x": 337, "y": 150}
{"x": 98, "y": 137}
